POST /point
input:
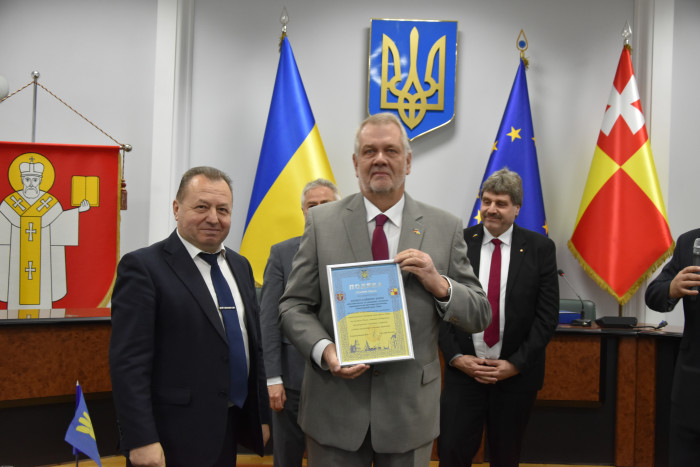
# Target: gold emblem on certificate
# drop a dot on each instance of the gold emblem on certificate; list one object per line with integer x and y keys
{"x": 370, "y": 319}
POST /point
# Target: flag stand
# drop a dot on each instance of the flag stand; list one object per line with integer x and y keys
{"x": 124, "y": 148}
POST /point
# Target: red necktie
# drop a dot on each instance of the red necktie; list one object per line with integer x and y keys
{"x": 380, "y": 247}
{"x": 492, "y": 333}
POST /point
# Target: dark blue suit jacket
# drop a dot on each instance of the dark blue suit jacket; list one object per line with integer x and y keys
{"x": 281, "y": 357}
{"x": 531, "y": 311}
{"x": 169, "y": 356}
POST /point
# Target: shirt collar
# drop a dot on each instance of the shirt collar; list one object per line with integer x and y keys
{"x": 506, "y": 237}
{"x": 394, "y": 213}
{"x": 193, "y": 251}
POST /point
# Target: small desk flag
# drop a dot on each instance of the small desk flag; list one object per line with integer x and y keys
{"x": 80, "y": 433}
{"x": 515, "y": 148}
{"x": 621, "y": 234}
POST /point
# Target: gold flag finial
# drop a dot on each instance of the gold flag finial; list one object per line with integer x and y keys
{"x": 626, "y": 34}
{"x": 522, "y": 46}
{"x": 284, "y": 19}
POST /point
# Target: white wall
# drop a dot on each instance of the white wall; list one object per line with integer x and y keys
{"x": 220, "y": 67}
{"x": 98, "y": 57}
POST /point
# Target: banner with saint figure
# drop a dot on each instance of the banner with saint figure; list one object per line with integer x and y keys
{"x": 59, "y": 226}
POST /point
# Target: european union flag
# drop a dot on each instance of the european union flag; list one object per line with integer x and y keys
{"x": 515, "y": 148}
{"x": 80, "y": 433}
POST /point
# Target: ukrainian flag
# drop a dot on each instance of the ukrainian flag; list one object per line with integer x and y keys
{"x": 515, "y": 148}
{"x": 292, "y": 155}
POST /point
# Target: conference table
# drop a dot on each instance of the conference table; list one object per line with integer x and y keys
{"x": 605, "y": 399}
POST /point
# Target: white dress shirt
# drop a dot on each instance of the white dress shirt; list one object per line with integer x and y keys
{"x": 487, "y": 248}
{"x": 205, "y": 269}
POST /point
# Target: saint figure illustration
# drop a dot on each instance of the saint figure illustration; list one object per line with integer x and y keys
{"x": 34, "y": 231}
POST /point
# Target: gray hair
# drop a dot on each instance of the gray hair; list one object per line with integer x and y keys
{"x": 210, "y": 173}
{"x": 383, "y": 119}
{"x": 504, "y": 182}
{"x": 315, "y": 184}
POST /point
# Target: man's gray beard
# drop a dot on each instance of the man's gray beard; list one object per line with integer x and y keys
{"x": 31, "y": 192}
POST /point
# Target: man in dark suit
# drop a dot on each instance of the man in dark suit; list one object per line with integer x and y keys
{"x": 284, "y": 366}
{"x": 177, "y": 398}
{"x": 679, "y": 279}
{"x": 492, "y": 378}
{"x": 387, "y": 415}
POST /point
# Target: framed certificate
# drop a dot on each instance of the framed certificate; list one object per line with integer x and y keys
{"x": 370, "y": 318}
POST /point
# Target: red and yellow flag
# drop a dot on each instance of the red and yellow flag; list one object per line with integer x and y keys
{"x": 622, "y": 234}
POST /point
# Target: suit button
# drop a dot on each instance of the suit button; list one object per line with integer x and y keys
{"x": 223, "y": 394}
{"x": 376, "y": 373}
{"x": 225, "y": 358}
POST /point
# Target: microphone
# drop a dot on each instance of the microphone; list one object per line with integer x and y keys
{"x": 561, "y": 273}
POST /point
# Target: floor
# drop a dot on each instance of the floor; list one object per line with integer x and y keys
{"x": 247, "y": 460}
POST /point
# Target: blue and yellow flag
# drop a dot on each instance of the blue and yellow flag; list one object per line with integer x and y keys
{"x": 515, "y": 148}
{"x": 292, "y": 155}
{"x": 80, "y": 433}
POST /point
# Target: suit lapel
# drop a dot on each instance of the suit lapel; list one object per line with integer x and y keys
{"x": 240, "y": 274}
{"x": 518, "y": 248}
{"x": 474, "y": 247}
{"x": 355, "y": 220}
{"x": 183, "y": 266}
{"x": 412, "y": 228}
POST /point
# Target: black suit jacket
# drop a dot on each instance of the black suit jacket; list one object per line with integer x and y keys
{"x": 686, "y": 380}
{"x": 169, "y": 356}
{"x": 531, "y": 309}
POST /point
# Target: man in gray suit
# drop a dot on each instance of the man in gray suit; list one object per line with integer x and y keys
{"x": 386, "y": 414}
{"x": 284, "y": 366}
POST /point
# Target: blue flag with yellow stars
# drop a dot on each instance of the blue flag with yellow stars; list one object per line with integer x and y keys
{"x": 515, "y": 148}
{"x": 80, "y": 433}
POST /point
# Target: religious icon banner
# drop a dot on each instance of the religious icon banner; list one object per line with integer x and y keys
{"x": 59, "y": 226}
{"x": 413, "y": 72}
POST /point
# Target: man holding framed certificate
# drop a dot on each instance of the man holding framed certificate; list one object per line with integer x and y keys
{"x": 386, "y": 414}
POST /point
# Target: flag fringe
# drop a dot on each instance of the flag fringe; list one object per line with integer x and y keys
{"x": 621, "y": 300}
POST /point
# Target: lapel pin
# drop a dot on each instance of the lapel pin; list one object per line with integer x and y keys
{"x": 416, "y": 231}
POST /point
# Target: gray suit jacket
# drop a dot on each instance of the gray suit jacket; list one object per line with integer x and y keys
{"x": 281, "y": 357}
{"x": 400, "y": 400}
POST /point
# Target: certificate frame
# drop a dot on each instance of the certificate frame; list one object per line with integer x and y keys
{"x": 370, "y": 316}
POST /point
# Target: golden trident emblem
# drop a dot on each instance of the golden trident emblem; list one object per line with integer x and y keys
{"x": 412, "y": 106}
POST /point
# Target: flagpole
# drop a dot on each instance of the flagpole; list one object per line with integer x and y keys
{"x": 521, "y": 44}
{"x": 35, "y": 77}
{"x": 284, "y": 19}
{"x": 77, "y": 403}
{"x": 626, "y": 35}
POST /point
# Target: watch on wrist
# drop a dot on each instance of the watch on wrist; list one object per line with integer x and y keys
{"x": 449, "y": 293}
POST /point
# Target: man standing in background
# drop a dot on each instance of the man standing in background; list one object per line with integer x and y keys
{"x": 492, "y": 377}
{"x": 284, "y": 365}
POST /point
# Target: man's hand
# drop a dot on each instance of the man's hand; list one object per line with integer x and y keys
{"x": 349, "y": 372}
{"x": 683, "y": 282}
{"x": 420, "y": 264}
{"x": 277, "y": 397}
{"x": 150, "y": 455}
{"x": 266, "y": 433}
{"x": 483, "y": 370}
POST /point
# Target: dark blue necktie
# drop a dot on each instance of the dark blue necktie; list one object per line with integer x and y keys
{"x": 238, "y": 378}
